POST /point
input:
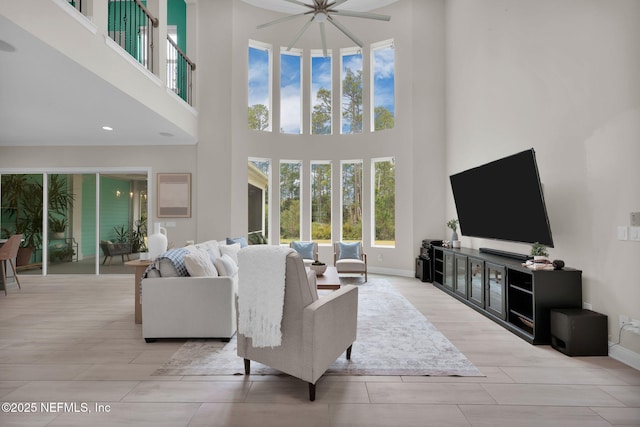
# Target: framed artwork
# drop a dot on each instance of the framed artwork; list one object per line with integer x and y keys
{"x": 174, "y": 195}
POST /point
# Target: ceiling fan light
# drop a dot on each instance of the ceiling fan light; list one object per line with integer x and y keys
{"x": 321, "y": 17}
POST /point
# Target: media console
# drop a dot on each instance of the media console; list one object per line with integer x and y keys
{"x": 501, "y": 288}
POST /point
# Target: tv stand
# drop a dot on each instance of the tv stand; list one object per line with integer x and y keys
{"x": 512, "y": 255}
{"x": 501, "y": 288}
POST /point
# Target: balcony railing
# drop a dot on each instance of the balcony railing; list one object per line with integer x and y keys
{"x": 131, "y": 26}
{"x": 179, "y": 72}
{"x": 77, "y": 4}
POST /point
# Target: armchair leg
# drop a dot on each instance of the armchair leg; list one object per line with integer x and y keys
{"x": 247, "y": 366}
{"x": 312, "y": 392}
{"x": 349, "y": 352}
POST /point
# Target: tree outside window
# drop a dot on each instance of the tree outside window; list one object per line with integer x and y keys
{"x": 259, "y": 87}
{"x": 383, "y": 85}
{"x": 351, "y": 91}
{"x": 384, "y": 201}
{"x": 290, "y": 200}
{"x": 321, "y": 202}
{"x": 320, "y": 93}
{"x": 352, "y": 200}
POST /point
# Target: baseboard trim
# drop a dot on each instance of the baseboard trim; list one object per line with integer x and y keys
{"x": 624, "y": 355}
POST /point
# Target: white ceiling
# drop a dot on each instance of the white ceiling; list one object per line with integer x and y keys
{"x": 48, "y": 99}
{"x": 287, "y": 7}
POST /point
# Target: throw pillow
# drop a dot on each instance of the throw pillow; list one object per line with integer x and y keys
{"x": 231, "y": 250}
{"x": 349, "y": 250}
{"x": 199, "y": 264}
{"x": 226, "y": 266}
{"x": 305, "y": 249}
{"x": 241, "y": 240}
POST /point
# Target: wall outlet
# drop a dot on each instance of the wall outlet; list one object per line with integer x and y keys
{"x": 623, "y": 232}
{"x": 634, "y": 233}
{"x": 623, "y": 320}
{"x": 635, "y": 328}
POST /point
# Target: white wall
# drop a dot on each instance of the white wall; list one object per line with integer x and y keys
{"x": 562, "y": 77}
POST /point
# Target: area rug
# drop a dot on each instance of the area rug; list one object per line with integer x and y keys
{"x": 393, "y": 338}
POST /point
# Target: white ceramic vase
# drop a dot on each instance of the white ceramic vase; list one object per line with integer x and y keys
{"x": 157, "y": 242}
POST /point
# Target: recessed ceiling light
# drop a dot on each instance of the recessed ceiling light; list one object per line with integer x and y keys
{"x": 165, "y": 133}
{"x": 107, "y": 128}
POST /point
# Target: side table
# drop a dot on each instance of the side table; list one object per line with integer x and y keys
{"x": 141, "y": 266}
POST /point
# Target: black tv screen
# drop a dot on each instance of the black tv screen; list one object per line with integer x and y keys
{"x": 503, "y": 200}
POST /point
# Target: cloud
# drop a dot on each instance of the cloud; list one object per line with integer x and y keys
{"x": 290, "y": 109}
{"x": 383, "y": 63}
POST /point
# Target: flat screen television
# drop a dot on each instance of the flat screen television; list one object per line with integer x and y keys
{"x": 503, "y": 200}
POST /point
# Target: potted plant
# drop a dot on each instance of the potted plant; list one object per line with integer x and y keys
{"x": 453, "y": 225}
{"x": 539, "y": 252}
{"x": 22, "y": 201}
{"x": 57, "y": 227}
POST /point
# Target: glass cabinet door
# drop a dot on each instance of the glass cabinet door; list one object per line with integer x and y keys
{"x": 495, "y": 290}
{"x": 448, "y": 270}
{"x": 461, "y": 275}
{"x": 476, "y": 281}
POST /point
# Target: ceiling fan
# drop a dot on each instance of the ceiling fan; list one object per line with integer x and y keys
{"x": 323, "y": 11}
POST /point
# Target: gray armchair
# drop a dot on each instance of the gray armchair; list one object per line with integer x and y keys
{"x": 315, "y": 331}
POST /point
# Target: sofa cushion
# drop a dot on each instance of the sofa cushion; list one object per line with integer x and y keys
{"x": 231, "y": 250}
{"x": 199, "y": 264}
{"x": 241, "y": 240}
{"x": 349, "y": 250}
{"x": 171, "y": 263}
{"x": 226, "y": 266}
{"x": 305, "y": 249}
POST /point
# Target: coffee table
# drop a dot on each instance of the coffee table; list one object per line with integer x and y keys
{"x": 329, "y": 280}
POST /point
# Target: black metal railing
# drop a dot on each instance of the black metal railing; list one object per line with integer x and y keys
{"x": 131, "y": 26}
{"x": 179, "y": 72}
{"x": 77, "y": 4}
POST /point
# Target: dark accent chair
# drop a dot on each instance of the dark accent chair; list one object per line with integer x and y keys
{"x": 109, "y": 250}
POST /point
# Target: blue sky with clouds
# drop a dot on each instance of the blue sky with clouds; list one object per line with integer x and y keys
{"x": 291, "y": 78}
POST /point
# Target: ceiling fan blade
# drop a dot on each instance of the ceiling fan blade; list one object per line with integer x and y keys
{"x": 279, "y": 20}
{"x": 302, "y": 30}
{"x": 324, "y": 39}
{"x": 299, "y": 3}
{"x": 362, "y": 15}
{"x": 345, "y": 31}
{"x": 336, "y": 3}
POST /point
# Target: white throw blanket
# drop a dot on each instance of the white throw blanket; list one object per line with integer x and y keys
{"x": 261, "y": 279}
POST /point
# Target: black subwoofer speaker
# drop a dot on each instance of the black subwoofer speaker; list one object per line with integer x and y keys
{"x": 579, "y": 332}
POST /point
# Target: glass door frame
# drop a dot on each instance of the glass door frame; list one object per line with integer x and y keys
{"x": 81, "y": 171}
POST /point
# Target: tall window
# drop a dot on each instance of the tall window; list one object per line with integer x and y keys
{"x": 352, "y": 200}
{"x": 258, "y": 200}
{"x": 259, "y": 86}
{"x": 290, "y": 92}
{"x": 320, "y": 93}
{"x": 383, "y": 186}
{"x": 290, "y": 200}
{"x": 351, "y": 96}
{"x": 383, "y": 89}
{"x": 321, "y": 202}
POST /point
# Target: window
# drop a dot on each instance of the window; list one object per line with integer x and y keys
{"x": 290, "y": 92}
{"x": 320, "y": 93}
{"x": 351, "y": 200}
{"x": 382, "y": 82}
{"x": 290, "y": 200}
{"x": 321, "y": 202}
{"x": 258, "y": 200}
{"x": 383, "y": 188}
{"x": 259, "y": 86}
{"x": 351, "y": 96}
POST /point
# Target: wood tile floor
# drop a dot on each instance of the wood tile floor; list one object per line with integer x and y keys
{"x": 72, "y": 340}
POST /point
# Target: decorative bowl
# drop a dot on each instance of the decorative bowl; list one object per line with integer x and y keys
{"x": 319, "y": 268}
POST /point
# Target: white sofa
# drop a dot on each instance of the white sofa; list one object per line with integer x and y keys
{"x": 189, "y": 307}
